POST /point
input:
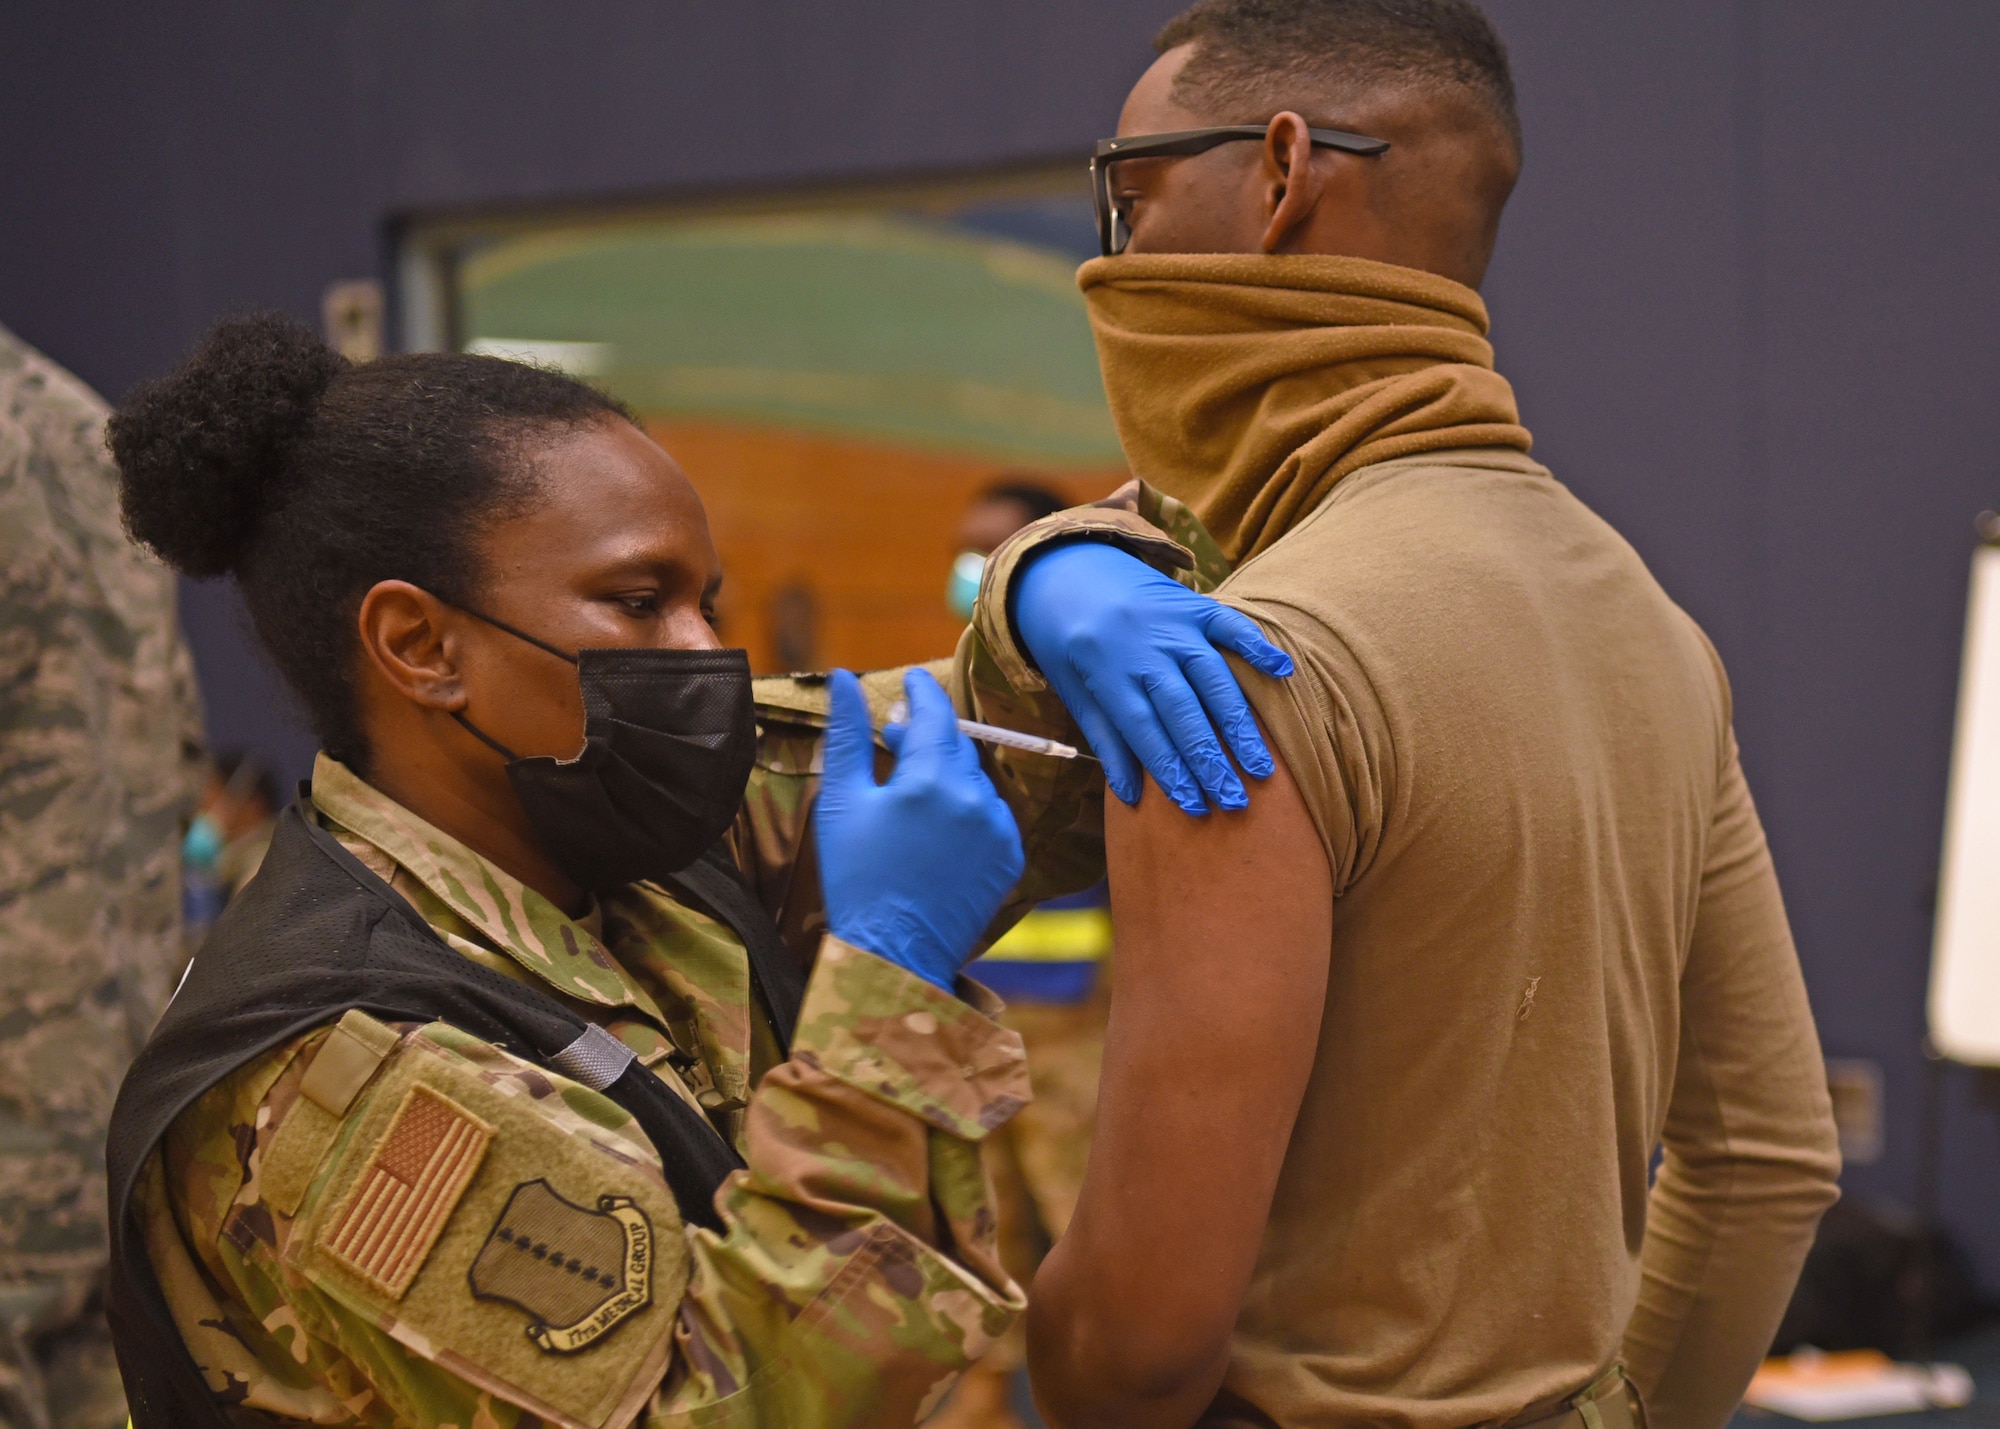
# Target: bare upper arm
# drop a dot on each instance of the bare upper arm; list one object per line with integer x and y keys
{"x": 1223, "y": 929}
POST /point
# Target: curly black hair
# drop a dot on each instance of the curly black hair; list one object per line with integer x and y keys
{"x": 268, "y": 456}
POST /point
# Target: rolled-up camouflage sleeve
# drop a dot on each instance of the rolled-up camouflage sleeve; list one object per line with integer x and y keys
{"x": 1136, "y": 518}
{"x": 859, "y": 1274}
{"x": 1060, "y": 803}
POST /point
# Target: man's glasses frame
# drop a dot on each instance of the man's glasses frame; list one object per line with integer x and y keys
{"x": 1113, "y": 235}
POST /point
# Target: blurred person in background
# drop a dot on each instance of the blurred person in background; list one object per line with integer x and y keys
{"x": 227, "y": 838}
{"x": 99, "y": 764}
{"x": 1050, "y": 969}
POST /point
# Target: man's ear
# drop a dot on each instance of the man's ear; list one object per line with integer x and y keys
{"x": 405, "y": 636}
{"x": 1291, "y": 186}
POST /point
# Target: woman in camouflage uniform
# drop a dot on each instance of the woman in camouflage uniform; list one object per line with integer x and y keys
{"x": 385, "y": 1223}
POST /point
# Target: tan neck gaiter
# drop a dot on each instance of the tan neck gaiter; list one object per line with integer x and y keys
{"x": 1247, "y": 384}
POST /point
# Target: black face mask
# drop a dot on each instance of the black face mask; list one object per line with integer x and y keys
{"x": 669, "y": 740}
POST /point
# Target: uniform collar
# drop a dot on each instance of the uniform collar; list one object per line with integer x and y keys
{"x": 566, "y": 953}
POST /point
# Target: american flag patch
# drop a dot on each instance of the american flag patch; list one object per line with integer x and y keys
{"x": 407, "y": 1191}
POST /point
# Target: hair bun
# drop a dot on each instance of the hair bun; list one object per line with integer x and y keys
{"x": 199, "y": 449}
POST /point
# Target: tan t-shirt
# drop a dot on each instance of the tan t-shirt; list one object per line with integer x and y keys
{"x": 1557, "y": 942}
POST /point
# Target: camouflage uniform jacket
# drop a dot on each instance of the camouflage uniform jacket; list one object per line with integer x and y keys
{"x": 858, "y": 1274}
{"x": 99, "y": 742}
{"x": 1139, "y": 519}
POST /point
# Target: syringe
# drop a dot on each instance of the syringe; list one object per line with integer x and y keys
{"x": 899, "y": 712}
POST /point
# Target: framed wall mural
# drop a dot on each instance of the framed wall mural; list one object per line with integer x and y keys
{"x": 838, "y": 373}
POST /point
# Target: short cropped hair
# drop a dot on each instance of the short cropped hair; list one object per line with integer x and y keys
{"x": 1025, "y": 491}
{"x": 1249, "y": 54}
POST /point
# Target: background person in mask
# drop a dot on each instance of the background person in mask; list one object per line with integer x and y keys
{"x": 1051, "y": 970}
{"x": 226, "y": 839}
{"x": 498, "y": 1096}
{"x": 997, "y": 512}
{"x": 1504, "y": 921}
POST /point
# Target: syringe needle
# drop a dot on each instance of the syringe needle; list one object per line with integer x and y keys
{"x": 1007, "y": 738}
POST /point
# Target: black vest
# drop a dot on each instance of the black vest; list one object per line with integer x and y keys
{"x": 314, "y": 934}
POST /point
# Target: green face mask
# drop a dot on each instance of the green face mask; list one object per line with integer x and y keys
{"x": 961, "y": 587}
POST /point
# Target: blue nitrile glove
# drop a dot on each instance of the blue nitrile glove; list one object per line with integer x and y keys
{"x": 1135, "y": 657}
{"x": 912, "y": 870}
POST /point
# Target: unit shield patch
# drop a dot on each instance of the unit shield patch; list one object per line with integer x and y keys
{"x": 577, "y": 1272}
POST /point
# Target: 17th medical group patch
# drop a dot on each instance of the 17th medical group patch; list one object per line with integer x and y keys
{"x": 533, "y": 1255}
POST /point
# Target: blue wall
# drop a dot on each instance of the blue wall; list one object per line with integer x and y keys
{"x": 1747, "y": 290}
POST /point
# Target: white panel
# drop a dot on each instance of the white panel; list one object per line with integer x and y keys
{"x": 421, "y": 298}
{"x": 578, "y": 359}
{"x": 1965, "y": 958}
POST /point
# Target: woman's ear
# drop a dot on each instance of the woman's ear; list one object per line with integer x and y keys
{"x": 1291, "y": 184}
{"x": 406, "y": 637}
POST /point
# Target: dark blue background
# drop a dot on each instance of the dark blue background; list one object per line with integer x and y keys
{"x": 1747, "y": 292}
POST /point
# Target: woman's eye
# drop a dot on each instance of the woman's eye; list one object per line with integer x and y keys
{"x": 640, "y": 603}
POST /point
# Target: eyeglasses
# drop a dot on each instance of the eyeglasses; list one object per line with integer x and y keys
{"x": 1113, "y": 235}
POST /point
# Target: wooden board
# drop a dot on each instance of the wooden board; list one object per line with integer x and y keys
{"x": 835, "y": 549}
